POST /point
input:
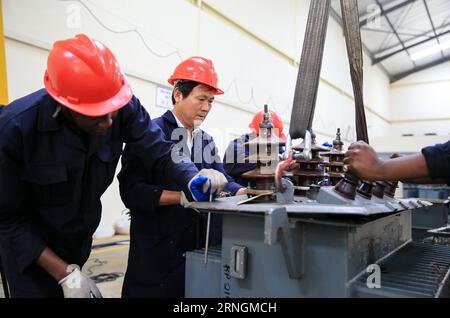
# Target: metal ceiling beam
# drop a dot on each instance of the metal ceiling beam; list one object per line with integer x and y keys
{"x": 387, "y": 11}
{"x": 384, "y": 57}
{"x": 412, "y": 35}
{"x": 399, "y": 76}
{"x": 425, "y": 34}
{"x": 338, "y": 19}
{"x": 366, "y": 50}
{"x": 432, "y": 24}
{"x": 393, "y": 30}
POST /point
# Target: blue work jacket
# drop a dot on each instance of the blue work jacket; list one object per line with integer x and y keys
{"x": 437, "y": 158}
{"x": 51, "y": 180}
{"x": 234, "y": 158}
{"x": 161, "y": 235}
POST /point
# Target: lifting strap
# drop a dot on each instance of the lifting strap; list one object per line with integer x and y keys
{"x": 309, "y": 70}
{"x": 311, "y": 62}
{"x": 350, "y": 21}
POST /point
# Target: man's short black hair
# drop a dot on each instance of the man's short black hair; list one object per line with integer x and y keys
{"x": 185, "y": 87}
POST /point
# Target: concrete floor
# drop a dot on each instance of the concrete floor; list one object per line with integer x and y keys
{"x": 109, "y": 261}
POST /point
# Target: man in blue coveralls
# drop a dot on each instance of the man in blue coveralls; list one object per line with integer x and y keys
{"x": 432, "y": 165}
{"x": 162, "y": 230}
{"x": 59, "y": 149}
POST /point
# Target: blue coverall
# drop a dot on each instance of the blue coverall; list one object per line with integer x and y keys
{"x": 160, "y": 235}
{"x": 234, "y": 165}
{"x": 51, "y": 181}
{"x": 437, "y": 158}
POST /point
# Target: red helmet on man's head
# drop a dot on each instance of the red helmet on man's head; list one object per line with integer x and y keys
{"x": 276, "y": 121}
{"x": 83, "y": 75}
{"x": 197, "y": 69}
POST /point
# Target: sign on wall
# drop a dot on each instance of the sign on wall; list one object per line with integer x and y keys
{"x": 3, "y": 79}
{"x": 164, "y": 97}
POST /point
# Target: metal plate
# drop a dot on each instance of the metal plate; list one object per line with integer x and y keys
{"x": 328, "y": 203}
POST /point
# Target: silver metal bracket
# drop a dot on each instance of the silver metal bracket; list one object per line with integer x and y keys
{"x": 238, "y": 261}
{"x": 287, "y": 196}
{"x": 277, "y": 228}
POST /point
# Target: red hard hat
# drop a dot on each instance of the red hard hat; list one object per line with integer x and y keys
{"x": 83, "y": 75}
{"x": 276, "y": 121}
{"x": 197, "y": 69}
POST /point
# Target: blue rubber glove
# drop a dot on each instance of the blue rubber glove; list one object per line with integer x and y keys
{"x": 200, "y": 188}
{"x": 207, "y": 184}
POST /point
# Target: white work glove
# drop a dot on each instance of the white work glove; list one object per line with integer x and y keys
{"x": 206, "y": 184}
{"x": 184, "y": 202}
{"x": 218, "y": 180}
{"x": 78, "y": 285}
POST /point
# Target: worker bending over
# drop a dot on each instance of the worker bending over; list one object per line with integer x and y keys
{"x": 59, "y": 149}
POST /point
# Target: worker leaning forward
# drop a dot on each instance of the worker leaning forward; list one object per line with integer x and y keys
{"x": 162, "y": 230}
{"x": 59, "y": 149}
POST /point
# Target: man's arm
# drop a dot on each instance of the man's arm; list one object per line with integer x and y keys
{"x": 362, "y": 160}
{"x": 438, "y": 161}
{"x": 74, "y": 283}
{"x": 430, "y": 166}
{"x": 136, "y": 190}
{"x": 17, "y": 232}
{"x": 148, "y": 144}
{"x": 52, "y": 264}
{"x": 170, "y": 197}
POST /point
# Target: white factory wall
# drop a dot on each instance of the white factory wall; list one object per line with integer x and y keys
{"x": 254, "y": 51}
{"x": 420, "y": 103}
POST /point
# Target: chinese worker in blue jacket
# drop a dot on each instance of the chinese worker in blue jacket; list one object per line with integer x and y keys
{"x": 162, "y": 230}
{"x": 59, "y": 148}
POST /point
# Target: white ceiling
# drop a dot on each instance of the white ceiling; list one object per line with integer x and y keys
{"x": 393, "y": 30}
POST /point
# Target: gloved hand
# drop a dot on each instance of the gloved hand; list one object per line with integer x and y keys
{"x": 218, "y": 180}
{"x": 207, "y": 183}
{"x": 184, "y": 202}
{"x": 78, "y": 285}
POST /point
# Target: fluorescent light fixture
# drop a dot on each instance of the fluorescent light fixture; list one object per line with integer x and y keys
{"x": 430, "y": 51}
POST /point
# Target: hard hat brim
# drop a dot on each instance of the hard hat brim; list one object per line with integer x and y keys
{"x": 119, "y": 100}
{"x": 218, "y": 91}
